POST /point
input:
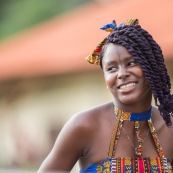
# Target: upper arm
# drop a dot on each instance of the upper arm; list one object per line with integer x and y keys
{"x": 67, "y": 149}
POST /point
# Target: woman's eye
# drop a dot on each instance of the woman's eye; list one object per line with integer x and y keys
{"x": 132, "y": 63}
{"x": 111, "y": 69}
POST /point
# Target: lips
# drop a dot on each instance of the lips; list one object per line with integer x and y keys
{"x": 128, "y": 85}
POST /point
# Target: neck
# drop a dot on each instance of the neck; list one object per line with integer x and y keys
{"x": 135, "y": 108}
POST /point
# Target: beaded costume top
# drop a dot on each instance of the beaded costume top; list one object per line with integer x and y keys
{"x": 139, "y": 164}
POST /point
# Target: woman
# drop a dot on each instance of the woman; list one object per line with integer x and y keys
{"x": 127, "y": 134}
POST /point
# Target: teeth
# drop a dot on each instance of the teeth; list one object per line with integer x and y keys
{"x": 127, "y": 86}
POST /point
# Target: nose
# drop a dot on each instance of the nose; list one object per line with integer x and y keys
{"x": 123, "y": 73}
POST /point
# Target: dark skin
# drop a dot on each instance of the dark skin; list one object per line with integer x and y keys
{"x": 87, "y": 135}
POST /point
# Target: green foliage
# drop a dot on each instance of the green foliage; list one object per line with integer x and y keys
{"x": 17, "y": 15}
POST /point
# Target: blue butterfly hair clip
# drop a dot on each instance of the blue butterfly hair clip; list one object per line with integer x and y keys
{"x": 109, "y": 27}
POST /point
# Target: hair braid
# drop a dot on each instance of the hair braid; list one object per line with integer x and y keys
{"x": 159, "y": 57}
{"x": 148, "y": 53}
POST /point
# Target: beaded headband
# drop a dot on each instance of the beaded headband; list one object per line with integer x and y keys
{"x": 94, "y": 58}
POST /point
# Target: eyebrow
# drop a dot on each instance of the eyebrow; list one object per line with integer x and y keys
{"x": 128, "y": 58}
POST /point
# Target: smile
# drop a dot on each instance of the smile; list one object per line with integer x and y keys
{"x": 129, "y": 85}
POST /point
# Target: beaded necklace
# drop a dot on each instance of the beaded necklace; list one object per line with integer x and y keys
{"x": 145, "y": 135}
{"x": 134, "y": 117}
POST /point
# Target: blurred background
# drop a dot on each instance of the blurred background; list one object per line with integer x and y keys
{"x": 44, "y": 78}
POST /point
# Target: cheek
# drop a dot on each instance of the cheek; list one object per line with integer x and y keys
{"x": 110, "y": 80}
{"x": 139, "y": 71}
{"x": 140, "y": 74}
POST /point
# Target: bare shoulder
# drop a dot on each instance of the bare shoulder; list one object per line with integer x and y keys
{"x": 164, "y": 133}
{"x": 81, "y": 129}
{"x": 84, "y": 122}
{"x": 159, "y": 122}
{"x": 87, "y": 119}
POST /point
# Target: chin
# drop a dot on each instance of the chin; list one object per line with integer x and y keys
{"x": 129, "y": 100}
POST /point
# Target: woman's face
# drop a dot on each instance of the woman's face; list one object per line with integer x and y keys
{"x": 124, "y": 76}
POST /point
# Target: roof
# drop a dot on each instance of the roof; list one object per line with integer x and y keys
{"x": 60, "y": 45}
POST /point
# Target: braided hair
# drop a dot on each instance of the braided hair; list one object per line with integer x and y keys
{"x": 149, "y": 55}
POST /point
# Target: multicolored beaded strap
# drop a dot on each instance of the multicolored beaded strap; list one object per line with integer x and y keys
{"x": 115, "y": 136}
{"x": 155, "y": 138}
{"x": 139, "y": 148}
{"x": 94, "y": 58}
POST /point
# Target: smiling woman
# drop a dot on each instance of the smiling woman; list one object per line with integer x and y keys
{"x": 127, "y": 134}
